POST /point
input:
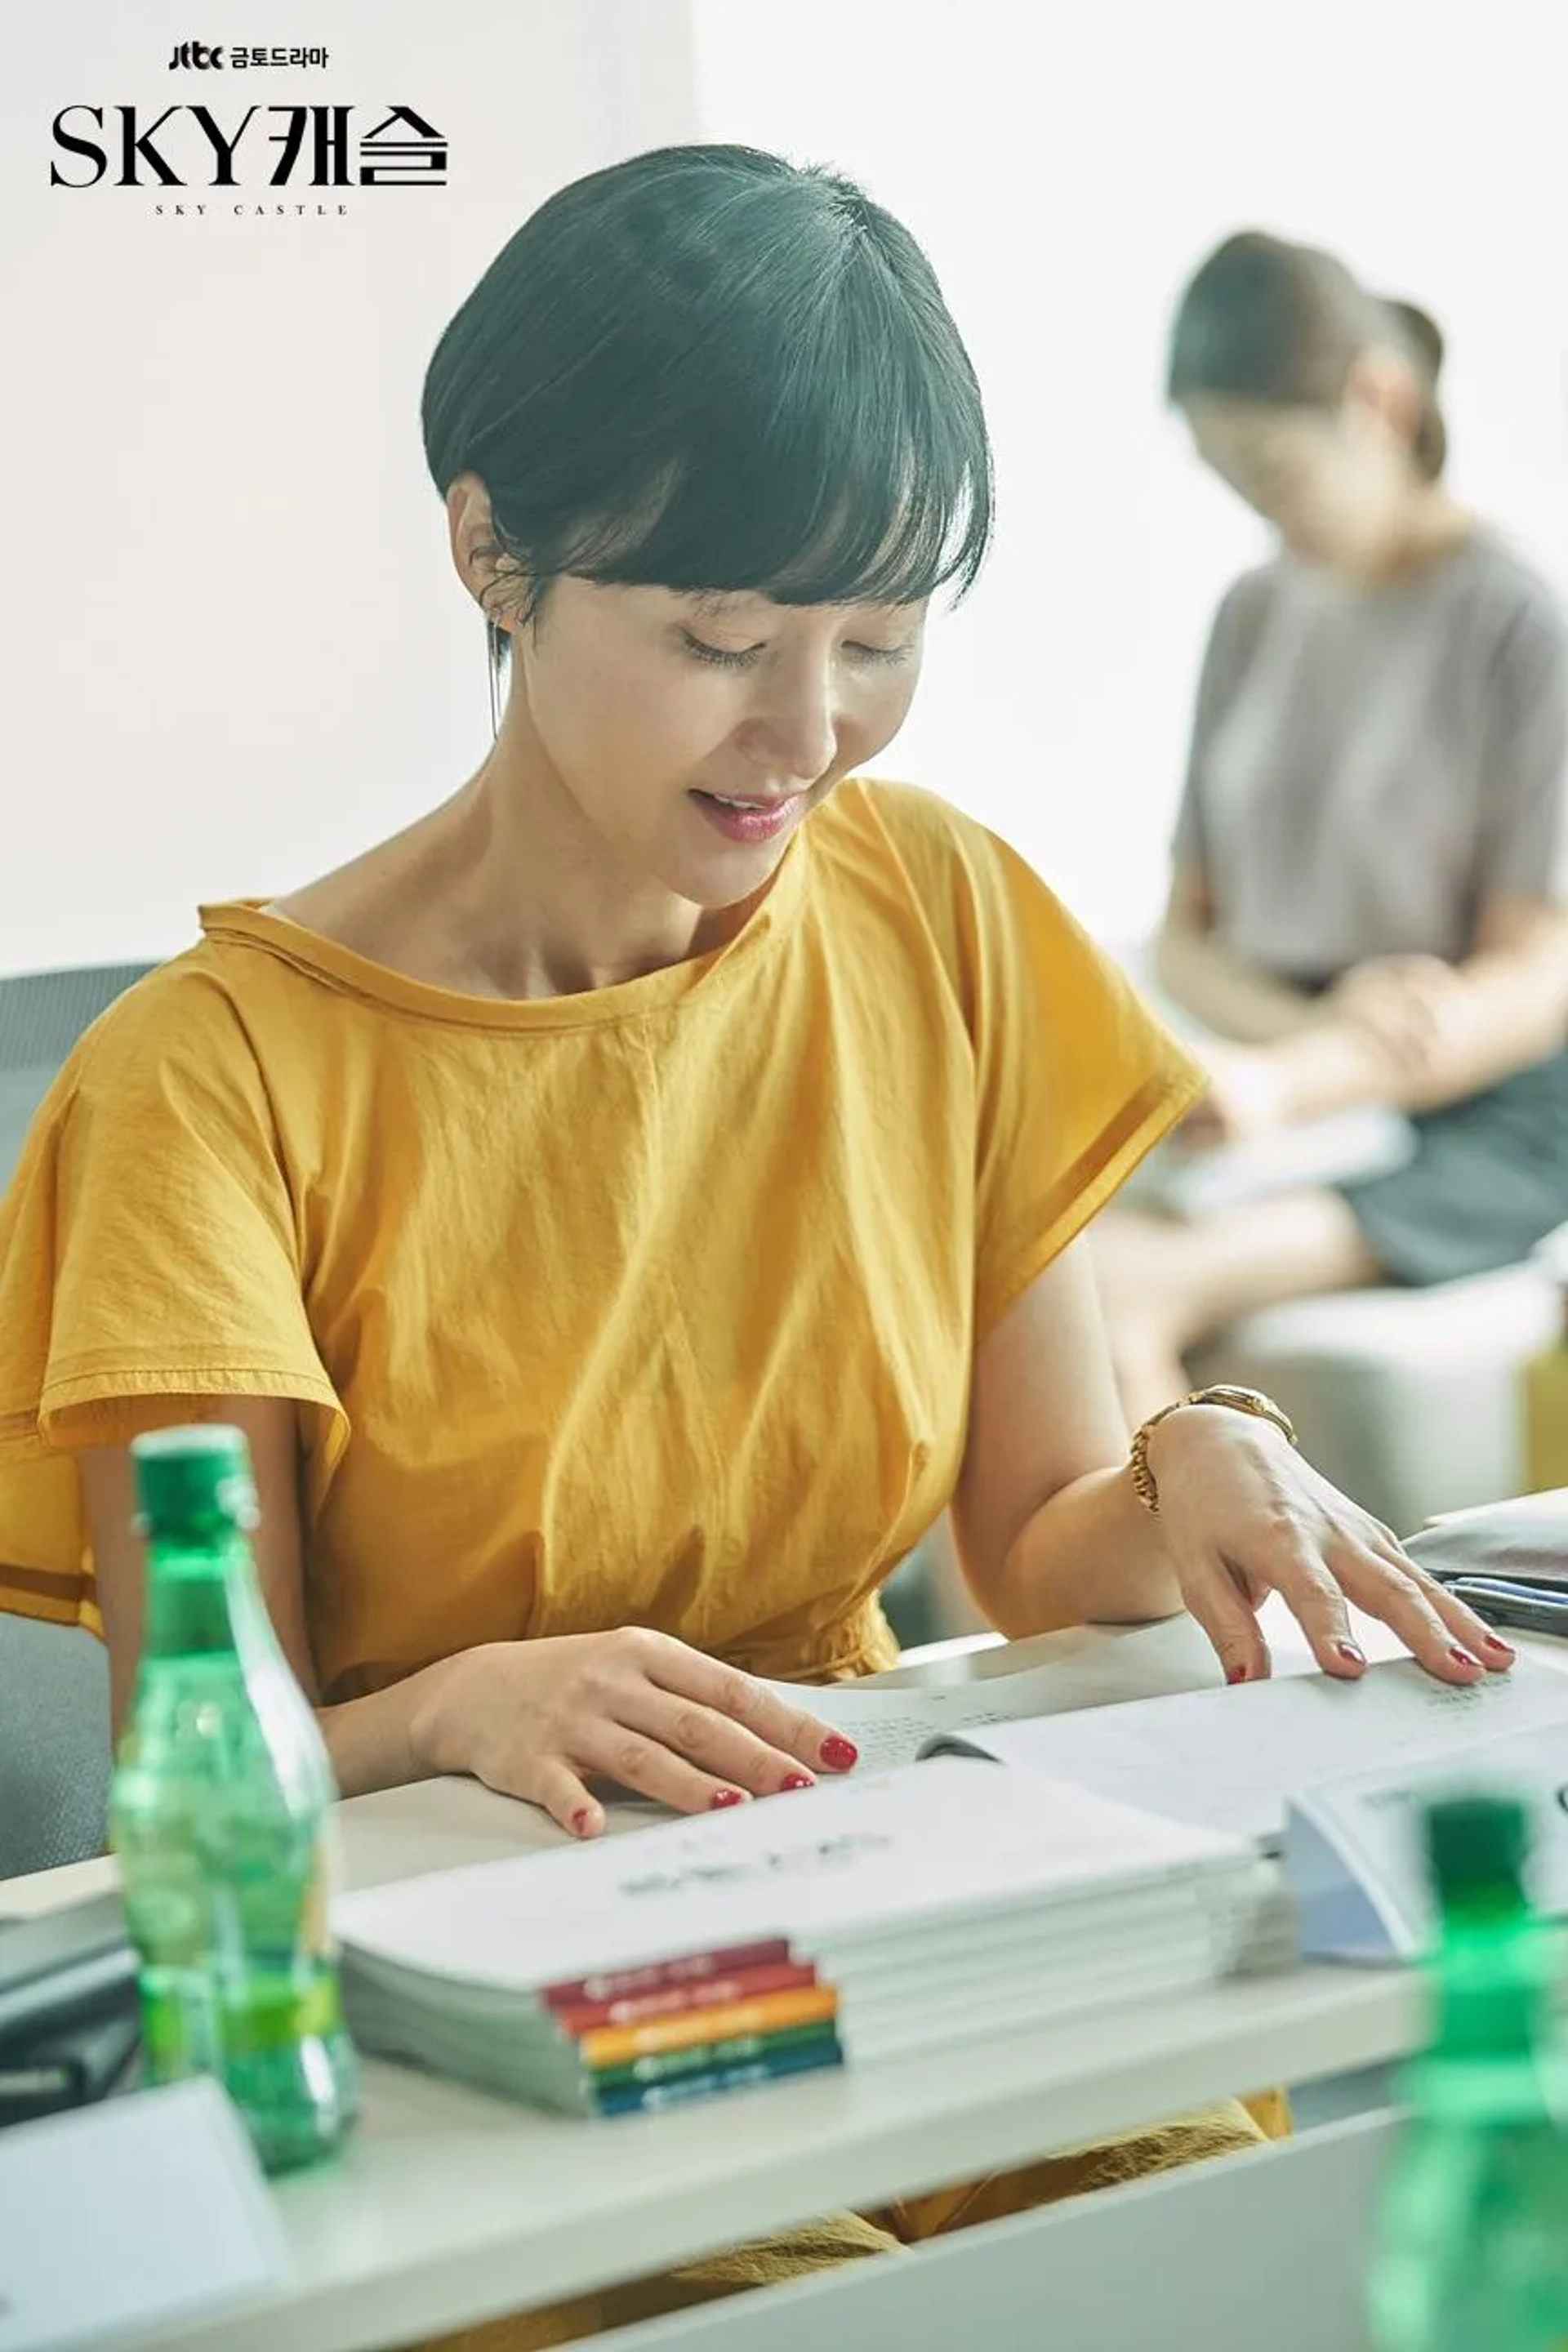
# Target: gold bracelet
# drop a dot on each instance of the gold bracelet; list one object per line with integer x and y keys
{"x": 1252, "y": 1400}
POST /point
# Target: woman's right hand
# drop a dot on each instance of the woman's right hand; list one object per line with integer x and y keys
{"x": 538, "y": 1719}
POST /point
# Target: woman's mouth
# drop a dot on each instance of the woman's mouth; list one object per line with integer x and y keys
{"x": 743, "y": 820}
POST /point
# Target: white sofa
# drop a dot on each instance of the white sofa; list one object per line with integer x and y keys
{"x": 1409, "y": 1400}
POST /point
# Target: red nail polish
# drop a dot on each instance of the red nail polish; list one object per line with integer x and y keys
{"x": 581, "y": 1821}
{"x": 1348, "y": 1650}
{"x": 1236, "y": 1673}
{"x": 838, "y": 1754}
{"x": 1462, "y": 1657}
{"x": 1503, "y": 1649}
{"x": 797, "y": 1780}
{"x": 725, "y": 1797}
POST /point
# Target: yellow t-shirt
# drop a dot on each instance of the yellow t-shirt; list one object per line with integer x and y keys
{"x": 655, "y": 1305}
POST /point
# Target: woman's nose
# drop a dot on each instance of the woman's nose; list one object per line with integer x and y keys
{"x": 796, "y": 731}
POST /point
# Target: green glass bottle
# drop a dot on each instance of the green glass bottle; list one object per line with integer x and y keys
{"x": 1472, "y": 2253}
{"x": 220, "y": 1815}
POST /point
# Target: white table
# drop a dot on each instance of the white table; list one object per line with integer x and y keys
{"x": 451, "y": 2206}
{"x": 1270, "y": 2249}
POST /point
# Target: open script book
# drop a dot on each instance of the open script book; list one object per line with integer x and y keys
{"x": 1225, "y": 1759}
{"x": 892, "y": 1722}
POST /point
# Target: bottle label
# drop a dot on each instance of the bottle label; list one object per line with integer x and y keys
{"x": 259, "y": 2017}
{"x": 196, "y": 2024}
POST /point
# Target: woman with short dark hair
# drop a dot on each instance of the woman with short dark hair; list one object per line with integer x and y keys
{"x": 625, "y": 1209}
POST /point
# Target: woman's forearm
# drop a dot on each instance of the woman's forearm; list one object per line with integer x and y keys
{"x": 1337, "y": 1066}
{"x": 1092, "y": 1555}
{"x": 1503, "y": 1018}
{"x": 398, "y": 1734}
{"x": 1228, "y": 996}
{"x": 1513, "y": 1013}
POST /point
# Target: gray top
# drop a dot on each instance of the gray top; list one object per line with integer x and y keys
{"x": 1368, "y": 764}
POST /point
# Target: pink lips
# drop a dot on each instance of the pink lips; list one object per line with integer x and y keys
{"x": 764, "y": 821}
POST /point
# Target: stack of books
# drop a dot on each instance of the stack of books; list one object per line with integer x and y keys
{"x": 879, "y": 1917}
{"x": 606, "y": 2044}
{"x": 69, "y": 2020}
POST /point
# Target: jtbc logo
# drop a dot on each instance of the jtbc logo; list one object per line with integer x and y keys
{"x": 198, "y": 54}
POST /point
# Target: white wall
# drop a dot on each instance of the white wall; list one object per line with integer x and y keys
{"x": 1066, "y": 168}
{"x": 232, "y": 647}
{"x": 232, "y": 650}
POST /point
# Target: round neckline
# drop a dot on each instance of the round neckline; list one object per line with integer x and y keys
{"x": 1403, "y": 587}
{"x": 248, "y": 922}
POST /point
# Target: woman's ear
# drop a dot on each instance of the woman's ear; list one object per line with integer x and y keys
{"x": 481, "y": 560}
{"x": 1382, "y": 383}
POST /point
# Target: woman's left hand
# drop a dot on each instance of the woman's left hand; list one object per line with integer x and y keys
{"x": 1244, "y": 1515}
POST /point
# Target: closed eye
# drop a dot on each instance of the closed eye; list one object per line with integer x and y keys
{"x": 723, "y": 657}
{"x": 890, "y": 653}
{"x": 720, "y": 656}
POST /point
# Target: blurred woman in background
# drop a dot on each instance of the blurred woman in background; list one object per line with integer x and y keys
{"x": 1370, "y": 896}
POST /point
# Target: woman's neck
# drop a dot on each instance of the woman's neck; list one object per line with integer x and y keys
{"x": 1432, "y": 528}
{"x": 542, "y": 904}
{"x": 508, "y": 891}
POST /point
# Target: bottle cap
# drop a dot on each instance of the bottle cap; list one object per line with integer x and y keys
{"x": 193, "y": 1481}
{"x": 1475, "y": 1843}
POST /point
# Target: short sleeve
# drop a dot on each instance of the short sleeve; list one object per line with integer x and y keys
{"x": 1231, "y": 637}
{"x": 1524, "y": 829}
{"x": 148, "y": 1257}
{"x": 1076, "y": 1078}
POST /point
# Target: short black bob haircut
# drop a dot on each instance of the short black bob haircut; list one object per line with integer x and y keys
{"x": 708, "y": 368}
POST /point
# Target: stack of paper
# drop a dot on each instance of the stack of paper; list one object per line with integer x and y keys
{"x": 882, "y": 1916}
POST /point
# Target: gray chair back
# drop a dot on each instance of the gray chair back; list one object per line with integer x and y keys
{"x": 54, "y": 1679}
{"x": 42, "y": 1014}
